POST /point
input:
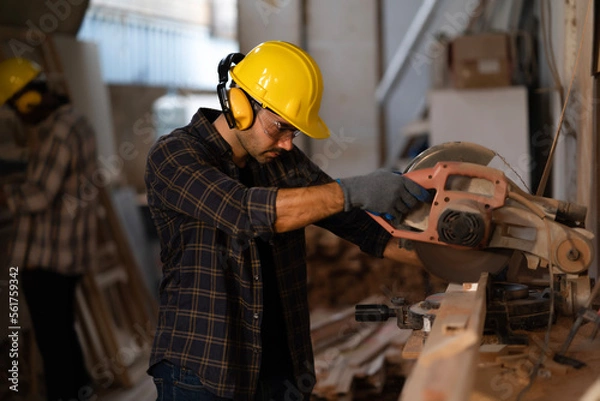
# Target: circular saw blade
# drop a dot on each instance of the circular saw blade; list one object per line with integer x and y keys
{"x": 451, "y": 264}
{"x": 461, "y": 266}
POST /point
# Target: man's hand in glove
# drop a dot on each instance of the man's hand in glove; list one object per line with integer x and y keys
{"x": 383, "y": 192}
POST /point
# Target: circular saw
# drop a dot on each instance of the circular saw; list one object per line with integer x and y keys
{"x": 479, "y": 218}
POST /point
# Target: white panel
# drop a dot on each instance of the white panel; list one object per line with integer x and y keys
{"x": 88, "y": 92}
{"x": 495, "y": 118}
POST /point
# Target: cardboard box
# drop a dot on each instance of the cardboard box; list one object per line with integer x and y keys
{"x": 481, "y": 61}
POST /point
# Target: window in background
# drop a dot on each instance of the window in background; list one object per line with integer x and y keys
{"x": 172, "y": 43}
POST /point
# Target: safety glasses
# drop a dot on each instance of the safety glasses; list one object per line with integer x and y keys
{"x": 275, "y": 129}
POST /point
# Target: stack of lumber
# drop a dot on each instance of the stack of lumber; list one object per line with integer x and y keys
{"x": 353, "y": 360}
{"x": 116, "y": 312}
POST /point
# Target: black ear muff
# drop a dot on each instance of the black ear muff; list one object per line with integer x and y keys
{"x": 26, "y": 102}
{"x": 235, "y": 104}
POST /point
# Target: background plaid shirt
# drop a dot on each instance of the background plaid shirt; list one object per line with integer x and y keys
{"x": 211, "y": 292}
{"x": 54, "y": 209}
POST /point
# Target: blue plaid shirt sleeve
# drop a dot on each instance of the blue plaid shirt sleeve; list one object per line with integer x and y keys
{"x": 186, "y": 184}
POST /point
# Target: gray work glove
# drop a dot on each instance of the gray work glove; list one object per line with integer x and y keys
{"x": 383, "y": 192}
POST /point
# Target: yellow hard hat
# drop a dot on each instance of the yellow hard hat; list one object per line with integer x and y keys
{"x": 15, "y": 73}
{"x": 287, "y": 80}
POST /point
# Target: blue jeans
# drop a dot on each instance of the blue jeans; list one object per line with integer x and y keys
{"x": 179, "y": 384}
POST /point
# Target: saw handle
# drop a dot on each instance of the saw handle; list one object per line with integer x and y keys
{"x": 373, "y": 313}
{"x": 437, "y": 178}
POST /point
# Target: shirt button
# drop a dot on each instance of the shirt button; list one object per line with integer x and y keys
{"x": 255, "y": 315}
{"x": 256, "y": 278}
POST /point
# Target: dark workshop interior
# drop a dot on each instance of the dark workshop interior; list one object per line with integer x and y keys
{"x": 431, "y": 233}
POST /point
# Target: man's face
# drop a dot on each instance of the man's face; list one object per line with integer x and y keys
{"x": 269, "y": 136}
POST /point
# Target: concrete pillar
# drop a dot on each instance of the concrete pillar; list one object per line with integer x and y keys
{"x": 342, "y": 37}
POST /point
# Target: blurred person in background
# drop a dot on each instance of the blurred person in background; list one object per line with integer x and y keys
{"x": 54, "y": 229}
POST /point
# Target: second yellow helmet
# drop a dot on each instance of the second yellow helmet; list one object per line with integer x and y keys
{"x": 15, "y": 74}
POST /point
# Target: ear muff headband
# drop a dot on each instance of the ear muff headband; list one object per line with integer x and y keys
{"x": 234, "y": 102}
{"x": 29, "y": 100}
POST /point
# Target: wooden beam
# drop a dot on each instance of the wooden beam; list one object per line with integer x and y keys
{"x": 446, "y": 368}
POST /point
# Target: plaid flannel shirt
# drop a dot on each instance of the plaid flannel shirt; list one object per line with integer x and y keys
{"x": 211, "y": 292}
{"x": 54, "y": 211}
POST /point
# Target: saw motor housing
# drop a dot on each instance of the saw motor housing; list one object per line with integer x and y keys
{"x": 463, "y": 223}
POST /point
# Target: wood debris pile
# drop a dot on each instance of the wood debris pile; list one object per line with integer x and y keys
{"x": 356, "y": 361}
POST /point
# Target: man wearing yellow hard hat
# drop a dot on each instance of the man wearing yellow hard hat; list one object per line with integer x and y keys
{"x": 230, "y": 196}
{"x": 53, "y": 243}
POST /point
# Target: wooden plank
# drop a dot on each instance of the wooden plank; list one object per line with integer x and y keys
{"x": 373, "y": 375}
{"x": 447, "y": 365}
{"x": 338, "y": 326}
{"x": 361, "y": 335}
{"x": 91, "y": 342}
{"x": 327, "y": 381}
{"x": 414, "y": 345}
{"x": 334, "y": 361}
{"x": 129, "y": 312}
{"x": 139, "y": 293}
{"x": 104, "y": 324}
{"x": 361, "y": 356}
{"x": 489, "y": 352}
{"x": 110, "y": 278}
{"x": 374, "y": 345}
{"x": 332, "y": 330}
{"x": 346, "y": 381}
{"x": 401, "y": 338}
{"x": 375, "y": 366}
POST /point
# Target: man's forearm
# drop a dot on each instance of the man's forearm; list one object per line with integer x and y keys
{"x": 299, "y": 207}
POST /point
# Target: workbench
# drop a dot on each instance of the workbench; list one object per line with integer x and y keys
{"x": 504, "y": 378}
{"x": 457, "y": 361}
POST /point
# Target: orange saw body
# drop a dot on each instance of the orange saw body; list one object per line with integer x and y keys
{"x": 477, "y": 210}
